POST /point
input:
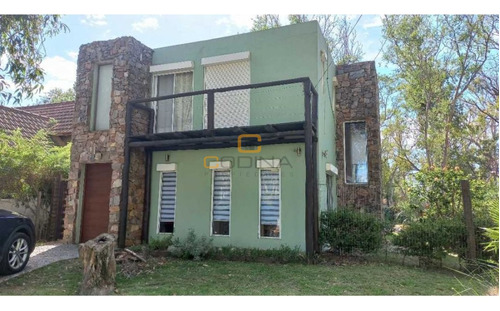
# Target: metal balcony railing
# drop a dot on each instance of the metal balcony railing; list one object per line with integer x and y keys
{"x": 261, "y": 104}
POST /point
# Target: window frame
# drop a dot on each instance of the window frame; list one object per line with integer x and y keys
{"x": 228, "y": 169}
{"x": 94, "y": 97}
{"x": 273, "y": 166}
{"x": 154, "y": 90}
{"x": 165, "y": 168}
{"x": 345, "y": 155}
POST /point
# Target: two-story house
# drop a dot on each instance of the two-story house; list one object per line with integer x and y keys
{"x": 235, "y": 138}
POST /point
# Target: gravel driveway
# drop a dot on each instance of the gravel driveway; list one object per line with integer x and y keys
{"x": 46, "y": 254}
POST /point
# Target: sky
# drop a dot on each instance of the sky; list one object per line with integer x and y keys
{"x": 190, "y": 21}
{"x": 156, "y": 31}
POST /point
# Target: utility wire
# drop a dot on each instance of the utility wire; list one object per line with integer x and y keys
{"x": 352, "y": 29}
{"x": 383, "y": 44}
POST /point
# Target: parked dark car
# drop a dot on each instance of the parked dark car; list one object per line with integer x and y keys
{"x": 17, "y": 241}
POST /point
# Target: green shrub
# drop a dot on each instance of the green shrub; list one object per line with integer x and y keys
{"x": 160, "y": 244}
{"x": 283, "y": 254}
{"x": 433, "y": 238}
{"x": 345, "y": 230}
{"x": 192, "y": 247}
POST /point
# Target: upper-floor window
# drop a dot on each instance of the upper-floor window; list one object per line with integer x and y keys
{"x": 102, "y": 97}
{"x": 174, "y": 114}
{"x": 231, "y": 108}
{"x": 356, "y": 155}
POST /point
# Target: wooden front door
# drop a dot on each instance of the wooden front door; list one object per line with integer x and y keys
{"x": 95, "y": 218}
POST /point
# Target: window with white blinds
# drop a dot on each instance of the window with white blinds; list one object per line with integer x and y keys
{"x": 270, "y": 192}
{"x": 167, "y": 202}
{"x": 221, "y": 202}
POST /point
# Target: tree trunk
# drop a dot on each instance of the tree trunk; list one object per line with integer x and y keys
{"x": 99, "y": 265}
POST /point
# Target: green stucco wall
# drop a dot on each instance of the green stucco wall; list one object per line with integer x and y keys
{"x": 326, "y": 122}
{"x": 276, "y": 54}
{"x": 193, "y": 205}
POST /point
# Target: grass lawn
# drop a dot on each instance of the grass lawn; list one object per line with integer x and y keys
{"x": 181, "y": 277}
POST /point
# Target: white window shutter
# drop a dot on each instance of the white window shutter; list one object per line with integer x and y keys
{"x": 231, "y": 108}
{"x": 222, "y": 195}
{"x": 269, "y": 197}
{"x": 168, "y": 190}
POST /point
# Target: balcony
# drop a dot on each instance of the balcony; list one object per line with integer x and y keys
{"x": 279, "y": 111}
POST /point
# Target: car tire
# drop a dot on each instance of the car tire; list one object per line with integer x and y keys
{"x": 17, "y": 254}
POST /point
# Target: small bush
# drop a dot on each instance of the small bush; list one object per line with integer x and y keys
{"x": 434, "y": 238}
{"x": 192, "y": 247}
{"x": 345, "y": 230}
{"x": 283, "y": 254}
{"x": 431, "y": 239}
{"x": 160, "y": 244}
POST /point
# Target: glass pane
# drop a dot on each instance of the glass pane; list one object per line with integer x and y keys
{"x": 183, "y": 106}
{"x": 221, "y": 201}
{"x": 269, "y": 202}
{"x": 329, "y": 191}
{"x": 165, "y": 86}
{"x": 168, "y": 201}
{"x": 103, "y": 99}
{"x": 220, "y": 227}
{"x": 356, "y": 156}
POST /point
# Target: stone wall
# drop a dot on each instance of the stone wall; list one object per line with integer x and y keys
{"x": 131, "y": 80}
{"x": 357, "y": 99}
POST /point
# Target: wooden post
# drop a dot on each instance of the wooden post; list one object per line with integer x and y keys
{"x": 210, "y": 110}
{"x": 469, "y": 223}
{"x": 99, "y": 265}
{"x": 309, "y": 154}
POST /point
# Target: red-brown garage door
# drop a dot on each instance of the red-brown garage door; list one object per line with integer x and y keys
{"x": 95, "y": 218}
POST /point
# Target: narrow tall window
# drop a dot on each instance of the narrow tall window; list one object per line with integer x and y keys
{"x": 356, "y": 156}
{"x": 270, "y": 202}
{"x": 221, "y": 202}
{"x": 103, "y": 97}
{"x": 174, "y": 114}
{"x": 329, "y": 192}
{"x": 167, "y": 202}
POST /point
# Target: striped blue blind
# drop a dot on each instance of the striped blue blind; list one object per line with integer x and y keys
{"x": 167, "y": 203}
{"x": 269, "y": 197}
{"x": 222, "y": 195}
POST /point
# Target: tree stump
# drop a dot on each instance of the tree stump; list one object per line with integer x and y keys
{"x": 99, "y": 265}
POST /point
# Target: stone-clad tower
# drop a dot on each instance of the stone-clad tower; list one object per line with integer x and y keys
{"x": 357, "y": 110}
{"x": 110, "y": 73}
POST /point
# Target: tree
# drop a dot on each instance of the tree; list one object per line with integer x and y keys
{"x": 28, "y": 167}
{"x": 338, "y": 31}
{"x": 57, "y": 95}
{"x": 437, "y": 60}
{"x": 439, "y": 106}
{"x": 266, "y": 21}
{"x": 22, "y": 39}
